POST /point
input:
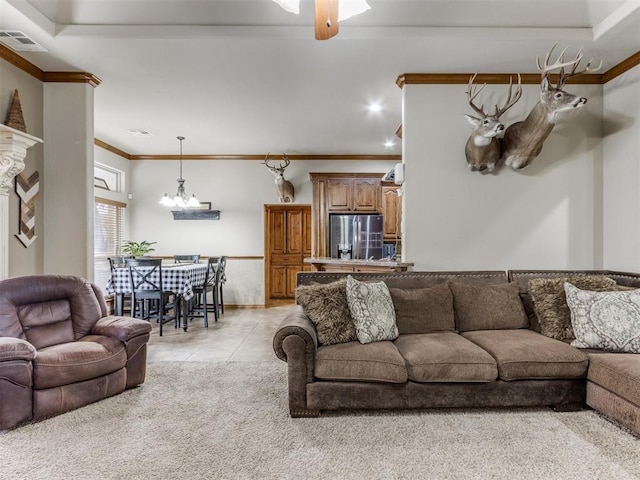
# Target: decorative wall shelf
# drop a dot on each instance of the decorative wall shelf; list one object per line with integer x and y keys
{"x": 204, "y": 213}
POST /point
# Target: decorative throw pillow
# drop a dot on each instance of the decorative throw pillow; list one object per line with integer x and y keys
{"x": 326, "y": 306}
{"x": 488, "y": 306}
{"x": 550, "y": 304}
{"x": 606, "y": 320}
{"x": 372, "y": 310}
{"x": 423, "y": 310}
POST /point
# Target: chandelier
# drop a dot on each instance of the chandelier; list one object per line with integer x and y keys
{"x": 180, "y": 200}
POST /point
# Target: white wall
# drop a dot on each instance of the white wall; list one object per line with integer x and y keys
{"x": 621, "y": 147}
{"x": 239, "y": 189}
{"x": 25, "y": 261}
{"x": 546, "y": 216}
{"x": 68, "y": 171}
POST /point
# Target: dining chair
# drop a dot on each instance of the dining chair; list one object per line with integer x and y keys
{"x": 186, "y": 258}
{"x": 201, "y": 307}
{"x": 221, "y": 281}
{"x": 148, "y": 299}
{"x": 120, "y": 298}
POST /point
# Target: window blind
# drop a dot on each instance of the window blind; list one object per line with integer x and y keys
{"x": 108, "y": 233}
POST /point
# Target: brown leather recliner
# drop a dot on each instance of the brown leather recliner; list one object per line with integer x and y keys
{"x": 59, "y": 350}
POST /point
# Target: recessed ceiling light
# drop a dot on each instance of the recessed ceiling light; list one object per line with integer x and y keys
{"x": 389, "y": 143}
{"x": 375, "y": 107}
{"x": 140, "y": 133}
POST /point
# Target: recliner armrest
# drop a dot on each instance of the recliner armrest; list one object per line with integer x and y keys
{"x": 121, "y": 328}
{"x": 16, "y": 349}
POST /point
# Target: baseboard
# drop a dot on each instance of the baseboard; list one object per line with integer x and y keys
{"x": 243, "y": 306}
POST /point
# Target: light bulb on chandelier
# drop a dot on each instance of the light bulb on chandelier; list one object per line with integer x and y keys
{"x": 180, "y": 199}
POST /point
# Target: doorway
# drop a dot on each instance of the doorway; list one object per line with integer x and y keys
{"x": 287, "y": 241}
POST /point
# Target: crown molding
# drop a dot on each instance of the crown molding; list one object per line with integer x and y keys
{"x": 111, "y": 148}
{"x": 622, "y": 67}
{"x": 72, "y": 77}
{"x": 261, "y": 157}
{"x": 491, "y": 78}
{"x": 17, "y": 61}
{"x": 28, "y": 67}
{"x": 527, "y": 78}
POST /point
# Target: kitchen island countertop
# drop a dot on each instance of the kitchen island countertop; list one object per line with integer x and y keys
{"x": 327, "y": 264}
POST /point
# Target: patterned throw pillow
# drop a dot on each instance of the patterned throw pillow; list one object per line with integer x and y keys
{"x": 550, "y": 304}
{"x": 372, "y": 310}
{"x": 606, "y": 320}
{"x": 326, "y": 306}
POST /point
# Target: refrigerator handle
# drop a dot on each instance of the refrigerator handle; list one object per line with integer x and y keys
{"x": 357, "y": 230}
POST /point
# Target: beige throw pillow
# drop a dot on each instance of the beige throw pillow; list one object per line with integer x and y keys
{"x": 550, "y": 304}
{"x": 606, "y": 320}
{"x": 327, "y": 308}
{"x": 372, "y": 310}
{"x": 488, "y": 306}
{"x": 424, "y": 310}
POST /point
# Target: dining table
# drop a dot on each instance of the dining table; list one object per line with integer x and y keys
{"x": 178, "y": 279}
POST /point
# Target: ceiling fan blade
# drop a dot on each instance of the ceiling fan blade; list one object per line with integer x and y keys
{"x": 326, "y": 20}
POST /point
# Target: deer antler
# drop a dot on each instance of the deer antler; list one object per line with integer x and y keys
{"x": 510, "y": 102}
{"x": 561, "y": 64}
{"x": 286, "y": 161}
{"x": 472, "y": 93}
{"x": 266, "y": 162}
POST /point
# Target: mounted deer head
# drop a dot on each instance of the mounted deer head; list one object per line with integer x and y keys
{"x": 285, "y": 189}
{"x": 523, "y": 140}
{"x": 483, "y": 147}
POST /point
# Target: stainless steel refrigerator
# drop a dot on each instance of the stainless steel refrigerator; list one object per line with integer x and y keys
{"x": 356, "y": 236}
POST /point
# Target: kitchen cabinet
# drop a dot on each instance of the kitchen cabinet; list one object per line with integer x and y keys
{"x": 340, "y": 193}
{"x": 392, "y": 212}
{"x": 353, "y": 194}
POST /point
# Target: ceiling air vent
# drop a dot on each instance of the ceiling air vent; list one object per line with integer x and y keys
{"x": 19, "y": 41}
{"x": 140, "y": 133}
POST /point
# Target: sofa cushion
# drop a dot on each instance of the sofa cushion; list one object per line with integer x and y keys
{"x": 487, "y": 307}
{"x": 606, "y": 320}
{"x": 90, "y": 357}
{"x": 423, "y": 310}
{"x": 525, "y": 354}
{"x": 372, "y": 310}
{"x": 445, "y": 357}
{"x": 326, "y": 306}
{"x": 618, "y": 373}
{"x": 371, "y": 362}
{"x": 550, "y": 304}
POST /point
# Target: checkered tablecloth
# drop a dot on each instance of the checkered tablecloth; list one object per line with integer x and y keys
{"x": 179, "y": 279}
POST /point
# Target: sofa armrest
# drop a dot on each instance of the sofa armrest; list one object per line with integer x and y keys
{"x": 296, "y": 323}
{"x": 296, "y": 343}
{"x": 16, "y": 349}
{"x": 121, "y": 328}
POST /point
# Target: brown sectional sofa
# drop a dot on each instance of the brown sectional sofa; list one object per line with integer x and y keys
{"x": 458, "y": 367}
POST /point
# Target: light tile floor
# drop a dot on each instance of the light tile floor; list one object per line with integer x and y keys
{"x": 238, "y": 335}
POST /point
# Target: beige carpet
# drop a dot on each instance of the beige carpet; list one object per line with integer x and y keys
{"x": 230, "y": 421}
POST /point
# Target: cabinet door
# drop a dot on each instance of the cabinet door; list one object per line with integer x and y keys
{"x": 279, "y": 282}
{"x": 392, "y": 212}
{"x": 306, "y": 232}
{"x": 339, "y": 195}
{"x": 295, "y": 231}
{"x": 365, "y": 194}
{"x": 291, "y": 280}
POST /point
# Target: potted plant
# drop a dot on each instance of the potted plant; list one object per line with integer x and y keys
{"x": 137, "y": 249}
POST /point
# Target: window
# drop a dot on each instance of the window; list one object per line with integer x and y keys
{"x": 107, "y": 178}
{"x": 108, "y": 232}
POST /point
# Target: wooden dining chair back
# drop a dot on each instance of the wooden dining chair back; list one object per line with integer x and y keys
{"x": 115, "y": 262}
{"x": 148, "y": 299}
{"x": 201, "y": 306}
{"x": 186, "y": 258}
